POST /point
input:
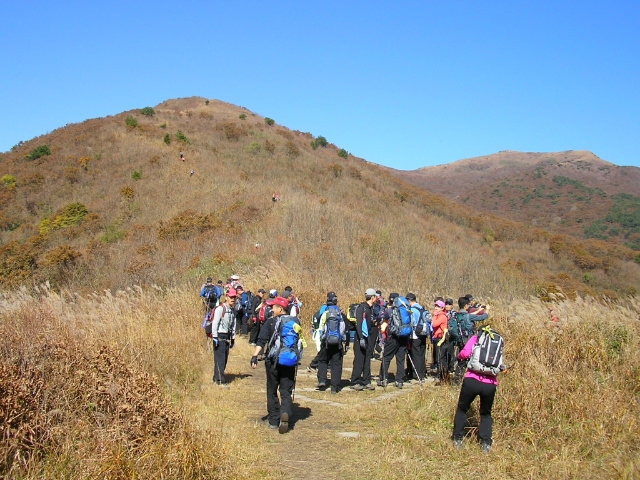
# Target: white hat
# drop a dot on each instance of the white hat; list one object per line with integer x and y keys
{"x": 371, "y": 292}
{"x": 235, "y": 277}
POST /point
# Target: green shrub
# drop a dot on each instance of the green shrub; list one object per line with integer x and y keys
{"x": 167, "y": 139}
{"x": 137, "y": 174}
{"x": 242, "y": 116}
{"x": 112, "y": 234}
{"x": 254, "y": 148}
{"x": 182, "y": 137}
{"x": 164, "y": 125}
{"x": 206, "y": 102}
{"x": 319, "y": 142}
{"x": 148, "y": 111}
{"x": 131, "y": 122}
{"x": 9, "y": 181}
{"x": 38, "y": 152}
{"x": 343, "y": 153}
{"x": 269, "y": 121}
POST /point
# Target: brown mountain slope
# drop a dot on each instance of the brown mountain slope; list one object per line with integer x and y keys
{"x": 110, "y": 203}
{"x": 565, "y": 192}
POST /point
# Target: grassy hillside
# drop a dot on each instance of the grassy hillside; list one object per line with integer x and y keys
{"x": 572, "y": 192}
{"x": 112, "y": 205}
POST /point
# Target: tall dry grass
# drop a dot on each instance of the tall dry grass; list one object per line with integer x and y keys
{"x": 105, "y": 387}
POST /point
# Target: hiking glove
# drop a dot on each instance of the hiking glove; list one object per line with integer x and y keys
{"x": 215, "y": 342}
{"x": 254, "y": 361}
{"x": 363, "y": 343}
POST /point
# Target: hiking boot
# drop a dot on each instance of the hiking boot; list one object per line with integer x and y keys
{"x": 369, "y": 386}
{"x": 457, "y": 443}
{"x": 486, "y": 447}
{"x": 334, "y": 390}
{"x": 272, "y": 426}
{"x": 321, "y": 386}
{"x": 382, "y": 383}
{"x": 284, "y": 423}
{"x": 357, "y": 386}
{"x": 399, "y": 385}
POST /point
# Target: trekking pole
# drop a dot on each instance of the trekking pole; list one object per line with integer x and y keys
{"x": 414, "y": 368}
{"x": 295, "y": 378}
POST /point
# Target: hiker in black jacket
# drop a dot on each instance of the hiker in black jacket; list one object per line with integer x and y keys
{"x": 254, "y": 321}
{"x": 279, "y": 377}
{"x": 361, "y": 374}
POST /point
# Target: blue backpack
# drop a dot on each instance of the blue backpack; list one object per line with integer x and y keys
{"x": 423, "y": 325}
{"x": 285, "y": 346}
{"x": 400, "y": 324}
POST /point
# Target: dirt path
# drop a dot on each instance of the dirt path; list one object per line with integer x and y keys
{"x": 321, "y": 422}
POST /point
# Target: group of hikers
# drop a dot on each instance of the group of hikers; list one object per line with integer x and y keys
{"x": 376, "y": 328}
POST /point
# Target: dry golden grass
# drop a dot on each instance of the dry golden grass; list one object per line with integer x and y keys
{"x": 118, "y": 385}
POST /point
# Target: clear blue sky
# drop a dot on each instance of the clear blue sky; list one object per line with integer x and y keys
{"x": 403, "y": 84}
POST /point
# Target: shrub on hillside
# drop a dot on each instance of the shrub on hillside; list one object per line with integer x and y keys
{"x": 38, "y": 152}
{"x": 319, "y": 142}
{"x": 242, "y": 116}
{"x": 291, "y": 149}
{"x": 127, "y": 192}
{"x": 269, "y": 147}
{"x": 232, "y": 131}
{"x": 9, "y": 181}
{"x": 167, "y": 139}
{"x": 343, "y": 153}
{"x": 269, "y": 121}
{"x": 186, "y": 224}
{"x": 148, "y": 111}
{"x": 131, "y": 122}
{"x": 136, "y": 174}
{"x": 72, "y": 174}
{"x": 182, "y": 137}
{"x": 67, "y": 217}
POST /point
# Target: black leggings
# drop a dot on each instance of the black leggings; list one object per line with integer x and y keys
{"x": 471, "y": 388}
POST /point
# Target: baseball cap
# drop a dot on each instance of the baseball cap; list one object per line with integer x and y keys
{"x": 371, "y": 292}
{"x": 240, "y": 287}
{"x": 232, "y": 293}
{"x": 449, "y": 301}
{"x": 410, "y": 296}
{"x": 392, "y": 296}
{"x": 209, "y": 279}
{"x": 261, "y": 290}
{"x": 273, "y": 292}
{"x": 279, "y": 301}
{"x": 469, "y": 297}
{"x": 235, "y": 277}
{"x": 440, "y": 304}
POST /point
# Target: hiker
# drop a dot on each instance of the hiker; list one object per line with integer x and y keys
{"x": 361, "y": 373}
{"x": 182, "y": 156}
{"x": 420, "y": 319}
{"x": 232, "y": 282}
{"x": 254, "y": 310}
{"x": 242, "y": 310}
{"x": 223, "y": 328}
{"x": 439, "y": 323}
{"x": 333, "y": 335}
{"x": 208, "y": 295}
{"x": 219, "y": 289}
{"x": 316, "y": 334}
{"x": 466, "y": 328}
{"x": 398, "y": 334}
{"x": 192, "y": 172}
{"x": 480, "y": 380}
{"x": 265, "y": 312}
{"x": 294, "y": 304}
{"x": 275, "y": 197}
{"x": 448, "y": 348}
{"x": 281, "y": 364}
{"x": 378, "y": 310}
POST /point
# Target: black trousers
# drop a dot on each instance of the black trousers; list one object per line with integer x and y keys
{"x": 417, "y": 352}
{"x": 244, "y": 324}
{"x": 394, "y": 347}
{"x": 447, "y": 360}
{"x": 472, "y": 388}
{"x": 361, "y": 373}
{"x": 330, "y": 355}
{"x": 255, "y": 330}
{"x": 220, "y": 357}
{"x": 283, "y": 379}
{"x": 316, "y": 360}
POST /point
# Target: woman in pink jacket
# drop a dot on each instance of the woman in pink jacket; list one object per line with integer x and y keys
{"x": 473, "y": 385}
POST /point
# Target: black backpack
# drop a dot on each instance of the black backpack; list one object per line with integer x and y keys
{"x": 210, "y": 296}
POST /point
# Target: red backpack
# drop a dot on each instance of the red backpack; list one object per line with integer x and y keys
{"x": 264, "y": 313}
